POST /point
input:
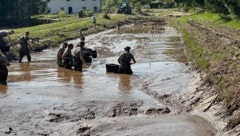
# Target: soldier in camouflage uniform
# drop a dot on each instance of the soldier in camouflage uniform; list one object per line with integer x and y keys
{"x": 25, "y": 48}
{"x": 60, "y": 53}
{"x": 3, "y": 69}
{"x": 125, "y": 61}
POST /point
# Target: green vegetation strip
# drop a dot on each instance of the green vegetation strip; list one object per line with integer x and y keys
{"x": 66, "y": 27}
{"x": 212, "y": 19}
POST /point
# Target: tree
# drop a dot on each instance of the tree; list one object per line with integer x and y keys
{"x": 109, "y": 4}
{"x": 199, "y": 3}
{"x": 233, "y": 6}
{"x": 217, "y": 6}
{"x": 16, "y": 10}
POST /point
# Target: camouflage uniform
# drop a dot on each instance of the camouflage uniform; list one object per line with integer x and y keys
{"x": 125, "y": 65}
{"x": 59, "y": 57}
{"x": 3, "y": 69}
{"x": 25, "y": 49}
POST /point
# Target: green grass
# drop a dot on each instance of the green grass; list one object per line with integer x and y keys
{"x": 196, "y": 53}
{"x": 212, "y": 19}
{"x": 66, "y": 28}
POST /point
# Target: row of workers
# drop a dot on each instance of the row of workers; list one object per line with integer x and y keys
{"x": 82, "y": 55}
{"x": 67, "y": 59}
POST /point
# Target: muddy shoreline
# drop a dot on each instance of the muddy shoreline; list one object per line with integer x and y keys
{"x": 208, "y": 100}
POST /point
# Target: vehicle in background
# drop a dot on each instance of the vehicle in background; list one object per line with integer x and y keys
{"x": 124, "y": 8}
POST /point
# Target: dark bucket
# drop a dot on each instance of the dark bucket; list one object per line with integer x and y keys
{"x": 94, "y": 54}
{"x": 88, "y": 59}
{"x": 112, "y": 68}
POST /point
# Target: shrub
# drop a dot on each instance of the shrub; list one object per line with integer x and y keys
{"x": 106, "y": 16}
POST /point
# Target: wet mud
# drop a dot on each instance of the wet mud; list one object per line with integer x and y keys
{"x": 42, "y": 99}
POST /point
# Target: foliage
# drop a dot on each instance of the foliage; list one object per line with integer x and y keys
{"x": 196, "y": 53}
{"x": 12, "y": 11}
{"x": 106, "y": 16}
{"x": 66, "y": 28}
{"x": 87, "y": 12}
{"x": 138, "y": 6}
{"x": 62, "y": 14}
{"x": 110, "y": 4}
{"x": 223, "y": 7}
{"x": 206, "y": 17}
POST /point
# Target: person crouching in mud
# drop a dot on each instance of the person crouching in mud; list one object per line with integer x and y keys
{"x": 3, "y": 69}
{"x": 68, "y": 57}
{"x": 80, "y": 57}
{"x": 60, "y": 53}
{"x": 125, "y": 61}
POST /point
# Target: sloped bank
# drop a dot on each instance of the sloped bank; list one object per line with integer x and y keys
{"x": 216, "y": 56}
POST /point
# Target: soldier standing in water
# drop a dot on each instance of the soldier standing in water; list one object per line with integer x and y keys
{"x": 68, "y": 57}
{"x": 81, "y": 54}
{"x": 60, "y": 53}
{"x": 3, "y": 69}
{"x": 4, "y": 46}
{"x": 125, "y": 61}
{"x": 25, "y": 48}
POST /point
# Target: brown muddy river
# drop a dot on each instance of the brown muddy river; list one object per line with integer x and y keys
{"x": 44, "y": 100}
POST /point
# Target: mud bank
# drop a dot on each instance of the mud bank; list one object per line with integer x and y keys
{"x": 215, "y": 97}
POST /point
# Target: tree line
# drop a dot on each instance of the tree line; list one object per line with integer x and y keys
{"x": 223, "y": 7}
{"x": 13, "y": 12}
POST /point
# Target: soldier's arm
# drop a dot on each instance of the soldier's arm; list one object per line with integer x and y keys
{"x": 5, "y": 61}
{"x": 119, "y": 59}
{"x": 64, "y": 54}
{"x": 133, "y": 59}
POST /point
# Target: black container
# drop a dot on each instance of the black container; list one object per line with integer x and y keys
{"x": 88, "y": 59}
{"x": 112, "y": 68}
{"x": 94, "y": 54}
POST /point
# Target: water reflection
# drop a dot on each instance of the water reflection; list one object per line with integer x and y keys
{"x": 70, "y": 76}
{"x": 64, "y": 74}
{"x": 3, "y": 90}
{"x": 26, "y": 70}
{"x": 77, "y": 79}
{"x": 24, "y": 67}
{"x": 125, "y": 83}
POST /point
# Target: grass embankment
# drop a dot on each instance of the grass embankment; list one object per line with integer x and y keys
{"x": 220, "y": 60}
{"x": 67, "y": 27}
{"x": 64, "y": 28}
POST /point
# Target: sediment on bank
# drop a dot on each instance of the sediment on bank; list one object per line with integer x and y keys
{"x": 215, "y": 54}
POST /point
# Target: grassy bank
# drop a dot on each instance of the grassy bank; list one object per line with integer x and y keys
{"x": 211, "y": 19}
{"x": 64, "y": 27}
{"x": 216, "y": 56}
{"x": 68, "y": 27}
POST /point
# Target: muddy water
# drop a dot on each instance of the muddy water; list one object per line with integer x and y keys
{"x": 42, "y": 99}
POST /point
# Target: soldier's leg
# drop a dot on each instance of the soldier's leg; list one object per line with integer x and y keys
{"x": 3, "y": 75}
{"x": 21, "y": 55}
{"x": 29, "y": 57}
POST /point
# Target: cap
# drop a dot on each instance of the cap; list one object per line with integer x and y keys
{"x": 82, "y": 43}
{"x": 82, "y": 39}
{"x": 127, "y": 48}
